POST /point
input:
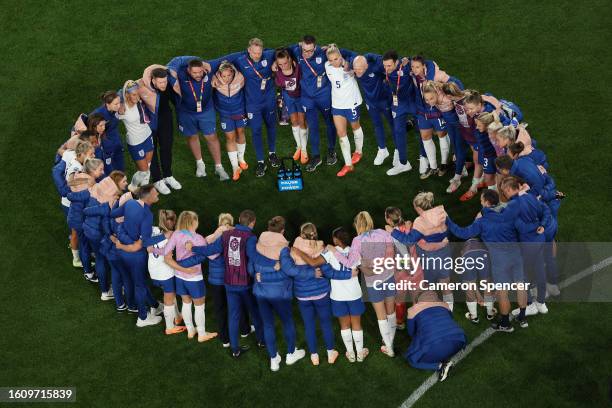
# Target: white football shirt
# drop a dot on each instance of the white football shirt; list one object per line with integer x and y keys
{"x": 345, "y": 91}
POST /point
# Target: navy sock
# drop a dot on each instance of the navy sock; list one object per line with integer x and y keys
{"x": 521, "y": 315}
{"x": 505, "y": 320}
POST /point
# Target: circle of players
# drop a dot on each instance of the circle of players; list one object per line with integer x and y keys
{"x": 255, "y": 278}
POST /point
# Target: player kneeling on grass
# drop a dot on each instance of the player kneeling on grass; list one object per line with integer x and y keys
{"x": 346, "y": 99}
{"x": 435, "y": 337}
{"x": 474, "y": 253}
{"x": 229, "y": 102}
{"x": 162, "y": 274}
{"x": 496, "y": 228}
{"x": 345, "y": 295}
{"x": 189, "y": 282}
{"x": 273, "y": 290}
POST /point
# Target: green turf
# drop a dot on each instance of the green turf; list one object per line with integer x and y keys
{"x": 552, "y": 58}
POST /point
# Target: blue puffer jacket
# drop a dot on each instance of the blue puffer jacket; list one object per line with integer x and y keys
{"x": 59, "y": 179}
{"x": 429, "y": 329}
{"x": 305, "y": 284}
{"x": 77, "y": 204}
{"x": 275, "y": 284}
{"x": 97, "y": 220}
{"x": 216, "y": 267}
{"x": 216, "y": 271}
{"x": 108, "y": 248}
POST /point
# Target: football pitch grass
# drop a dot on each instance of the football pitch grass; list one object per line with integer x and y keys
{"x": 551, "y": 58}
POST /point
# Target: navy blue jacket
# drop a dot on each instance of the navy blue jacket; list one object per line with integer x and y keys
{"x": 137, "y": 224}
{"x": 97, "y": 219}
{"x": 111, "y": 142}
{"x": 305, "y": 284}
{"x": 533, "y": 214}
{"x": 78, "y": 201}
{"x": 493, "y": 227}
{"x": 527, "y": 170}
{"x": 431, "y": 329}
{"x": 58, "y": 172}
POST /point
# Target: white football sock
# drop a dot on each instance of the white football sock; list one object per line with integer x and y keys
{"x": 392, "y": 319}
{"x": 296, "y": 136}
{"x": 472, "y": 307}
{"x": 137, "y": 178}
{"x": 176, "y": 309}
{"x": 218, "y": 166}
{"x": 430, "y": 150}
{"x": 200, "y": 161}
{"x": 75, "y": 254}
{"x": 146, "y": 176}
{"x": 444, "y": 149}
{"x": 358, "y": 339}
{"x": 200, "y": 319}
{"x": 345, "y": 146}
{"x": 383, "y": 326}
{"x": 187, "y": 316}
{"x": 423, "y": 164}
{"x": 488, "y": 302}
{"x": 475, "y": 183}
{"x": 492, "y": 187}
{"x": 358, "y": 134}
{"x": 233, "y": 158}
{"x": 169, "y": 316}
{"x": 347, "y": 339}
{"x": 449, "y": 299}
{"x": 304, "y": 138}
{"x": 241, "y": 149}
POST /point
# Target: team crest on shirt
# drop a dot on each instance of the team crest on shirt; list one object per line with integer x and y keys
{"x": 141, "y": 153}
{"x": 371, "y": 75}
{"x": 303, "y": 107}
{"x": 290, "y": 84}
{"x": 233, "y": 253}
{"x": 249, "y": 115}
{"x": 264, "y": 63}
{"x": 206, "y": 78}
{"x": 318, "y": 60}
{"x": 393, "y": 114}
{"x": 108, "y": 161}
{"x": 223, "y": 125}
